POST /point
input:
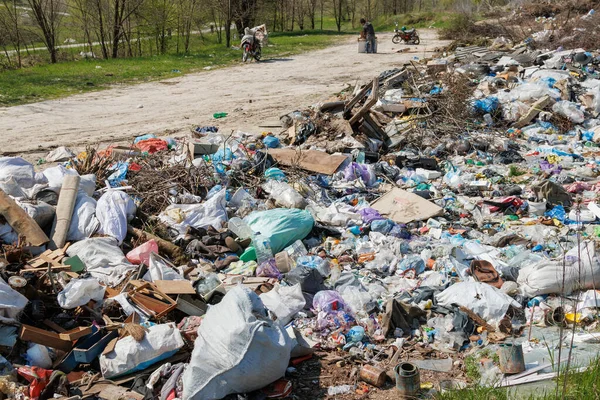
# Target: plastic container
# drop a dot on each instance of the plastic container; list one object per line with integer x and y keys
{"x": 262, "y": 247}
{"x": 239, "y": 228}
{"x": 296, "y": 250}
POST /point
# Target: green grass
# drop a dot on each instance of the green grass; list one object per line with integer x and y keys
{"x": 580, "y": 386}
{"x": 49, "y": 81}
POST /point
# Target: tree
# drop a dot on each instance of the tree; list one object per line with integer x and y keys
{"x": 10, "y": 28}
{"x": 338, "y": 13}
{"x": 48, "y": 16}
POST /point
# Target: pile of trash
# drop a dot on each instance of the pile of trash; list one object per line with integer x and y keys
{"x": 444, "y": 208}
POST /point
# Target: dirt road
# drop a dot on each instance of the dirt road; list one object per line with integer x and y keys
{"x": 251, "y": 94}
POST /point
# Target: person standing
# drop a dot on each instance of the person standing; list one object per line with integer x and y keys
{"x": 369, "y": 34}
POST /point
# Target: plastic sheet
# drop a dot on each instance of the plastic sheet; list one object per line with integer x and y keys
{"x": 79, "y": 292}
{"x": 114, "y": 210}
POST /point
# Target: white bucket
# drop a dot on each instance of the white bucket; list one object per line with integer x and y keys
{"x": 362, "y": 45}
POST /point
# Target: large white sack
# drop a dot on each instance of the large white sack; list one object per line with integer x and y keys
{"x": 56, "y": 176}
{"x": 484, "y": 300}
{"x": 83, "y": 221}
{"x": 546, "y": 276}
{"x": 161, "y": 341}
{"x": 210, "y": 213}
{"x": 19, "y": 170}
{"x": 114, "y": 210}
{"x": 284, "y": 301}
{"x": 11, "y": 302}
{"x": 103, "y": 259}
{"x": 238, "y": 349}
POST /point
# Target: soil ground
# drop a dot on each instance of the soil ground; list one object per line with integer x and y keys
{"x": 251, "y": 94}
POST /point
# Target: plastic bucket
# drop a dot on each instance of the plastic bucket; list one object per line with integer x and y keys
{"x": 362, "y": 45}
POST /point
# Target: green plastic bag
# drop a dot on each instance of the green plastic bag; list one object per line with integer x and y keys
{"x": 283, "y": 226}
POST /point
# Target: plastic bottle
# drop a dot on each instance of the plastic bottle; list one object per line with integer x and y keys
{"x": 239, "y": 228}
{"x": 341, "y": 389}
{"x": 296, "y": 250}
{"x": 262, "y": 246}
{"x": 219, "y": 115}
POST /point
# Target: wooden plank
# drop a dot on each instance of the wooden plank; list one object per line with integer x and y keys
{"x": 76, "y": 333}
{"x": 21, "y": 222}
{"x": 368, "y": 104}
{"x": 54, "y": 326}
{"x": 480, "y": 321}
{"x": 36, "y": 335}
{"x": 361, "y": 94}
{"x": 175, "y": 287}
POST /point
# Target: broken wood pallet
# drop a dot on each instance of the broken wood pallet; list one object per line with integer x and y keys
{"x": 52, "y": 257}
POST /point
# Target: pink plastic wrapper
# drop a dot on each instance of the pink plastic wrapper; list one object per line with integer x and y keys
{"x": 141, "y": 254}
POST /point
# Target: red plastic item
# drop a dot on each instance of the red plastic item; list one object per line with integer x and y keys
{"x": 141, "y": 254}
{"x": 38, "y": 379}
{"x": 152, "y": 146}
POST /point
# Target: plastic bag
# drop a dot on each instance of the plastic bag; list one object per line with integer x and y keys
{"x": 569, "y": 110}
{"x": 281, "y": 226}
{"x": 11, "y": 303}
{"x": 284, "y": 194}
{"x": 238, "y": 349}
{"x": 546, "y": 276}
{"x": 114, "y": 210}
{"x": 79, "y": 292}
{"x": 161, "y": 341}
{"x": 61, "y": 153}
{"x": 103, "y": 259}
{"x": 268, "y": 269}
{"x": 141, "y": 254}
{"x": 160, "y": 269}
{"x": 83, "y": 221}
{"x": 360, "y": 171}
{"x": 284, "y": 302}
{"x": 38, "y": 356}
{"x": 329, "y": 302}
{"x": 487, "y": 105}
{"x": 19, "y": 170}
{"x": 412, "y": 263}
{"x": 210, "y": 213}
{"x": 356, "y": 298}
{"x": 484, "y": 300}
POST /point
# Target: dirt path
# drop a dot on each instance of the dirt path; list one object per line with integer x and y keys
{"x": 251, "y": 94}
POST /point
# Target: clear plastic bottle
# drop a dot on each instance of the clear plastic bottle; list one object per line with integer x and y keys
{"x": 239, "y": 228}
{"x": 296, "y": 250}
{"x": 262, "y": 246}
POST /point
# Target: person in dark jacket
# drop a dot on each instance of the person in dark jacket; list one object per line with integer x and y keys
{"x": 369, "y": 33}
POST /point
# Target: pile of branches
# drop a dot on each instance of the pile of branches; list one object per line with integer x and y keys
{"x": 90, "y": 162}
{"x": 157, "y": 183}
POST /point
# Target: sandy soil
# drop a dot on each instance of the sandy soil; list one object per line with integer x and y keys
{"x": 251, "y": 94}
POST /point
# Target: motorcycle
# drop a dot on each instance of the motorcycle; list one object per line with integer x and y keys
{"x": 408, "y": 36}
{"x": 251, "y": 47}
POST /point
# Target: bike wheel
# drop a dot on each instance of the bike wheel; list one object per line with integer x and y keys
{"x": 416, "y": 40}
{"x": 245, "y": 55}
{"x": 258, "y": 54}
{"x": 396, "y": 39}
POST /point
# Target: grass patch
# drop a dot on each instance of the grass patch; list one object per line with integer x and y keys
{"x": 49, "y": 81}
{"x": 584, "y": 385}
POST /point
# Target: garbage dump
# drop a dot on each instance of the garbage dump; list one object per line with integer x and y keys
{"x": 444, "y": 209}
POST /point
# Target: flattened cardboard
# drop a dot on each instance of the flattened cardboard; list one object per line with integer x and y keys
{"x": 310, "y": 160}
{"x": 403, "y": 207}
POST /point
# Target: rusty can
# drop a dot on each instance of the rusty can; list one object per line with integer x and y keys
{"x": 511, "y": 358}
{"x": 408, "y": 379}
{"x": 373, "y": 375}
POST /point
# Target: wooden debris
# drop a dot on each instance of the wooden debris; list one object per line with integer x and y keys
{"x": 20, "y": 221}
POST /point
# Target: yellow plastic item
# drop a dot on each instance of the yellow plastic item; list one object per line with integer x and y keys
{"x": 574, "y": 317}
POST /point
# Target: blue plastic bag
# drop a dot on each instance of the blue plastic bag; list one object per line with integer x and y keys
{"x": 382, "y": 226}
{"x": 271, "y": 142}
{"x": 487, "y": 105}
{"x": 558, "y": 212}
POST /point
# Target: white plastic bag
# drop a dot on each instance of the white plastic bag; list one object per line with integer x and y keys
{"x": 210, "y": 213}
{"x": 284, "y": 301}
{"x": 484, "y": 300}
{"x": 61, "y": 153}
{"x": 19, "y": 170}
{"x": 546, "y": 276}
{"x": 160, "y": 270}
{"x": 103, "y": 259}
{"x": 284, "y": 195}
{"x": 114, "y": 210}
{"x": 238, "y": 349}
{"x": 569, "y": 110}
{"x": 11, "y": 302}
{"x": 79, "y": 292}
{"x": 161, "y": 341}
{"x": 83, "y": 222}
